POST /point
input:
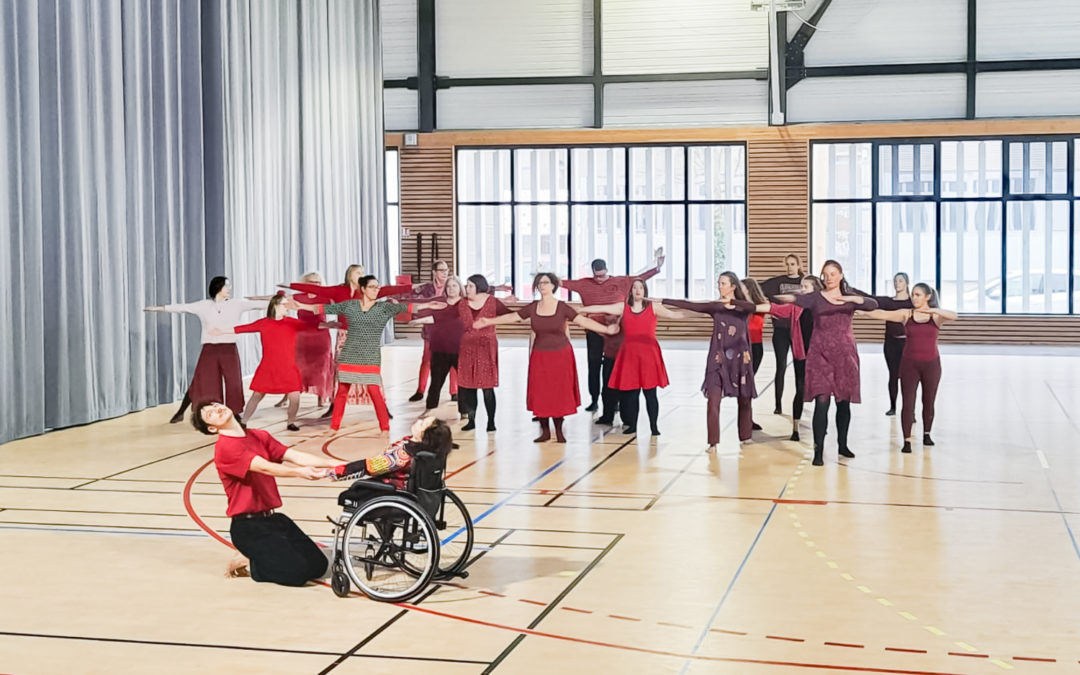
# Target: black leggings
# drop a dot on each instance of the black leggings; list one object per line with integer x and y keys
{"x": 441, "y": 363}
{"x": 609, "y": 396}
{"x": 799, "y": 365}
{"x": 467, "y": 403}
{"x": 594, "y": 350}
{"x": 781, "y": 343}
{"x": 821, "y": 421}
{"x": 631, "y": 405}
{"x": 278, "y": 550}
{"x": 894, "y": 352}
{"x": 757, "y": 352}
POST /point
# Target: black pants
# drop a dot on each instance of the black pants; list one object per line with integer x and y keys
{"x": 279, "y": 551}
{"x": 781, "y": 343}
{"x": 894, "y": 351}
{"x": 441, "y": 363}
{"x": 799, "y": 365}
{"x": 631, "y": 406}
{"x": 757, "y": 352}
{"x": 821, "y": 421}
{"x": 594, "y": 347}
{"x": 467, "y": 403}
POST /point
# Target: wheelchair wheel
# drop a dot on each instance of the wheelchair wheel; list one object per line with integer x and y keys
{"x": 339, "y": 581}
{"x": 455, "y": 535}
{"x": 390, "y": 549}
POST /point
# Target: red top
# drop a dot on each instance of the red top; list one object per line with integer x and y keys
{"x": 921, "y": 340}
{"x": 278, "y": 337}
{"x": 445, "y": 334}
{"x": 325, "y": 295}
{"x": 757, "y": 324}
{"x": 611, "y": 290}
{"x": 245, "y": 490}
{"x": 550, "y": 330}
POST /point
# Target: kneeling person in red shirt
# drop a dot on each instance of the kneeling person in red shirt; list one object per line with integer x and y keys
{"x": 247, "y": 461}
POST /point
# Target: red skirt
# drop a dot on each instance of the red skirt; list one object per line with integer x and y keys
{"x": 553, "y": 383}
{"x": 276, "y": 378}
{"x": 639, "y": 365}
{"x": 478, "y": 361}
{"x": 315, "y": 359}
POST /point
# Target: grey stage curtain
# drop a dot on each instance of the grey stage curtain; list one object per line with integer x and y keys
{"x": 303, "y": 142}
{"x": 101, "y": 206}
{"x": 151, "y": 144}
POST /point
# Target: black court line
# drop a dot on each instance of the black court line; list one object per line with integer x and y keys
{"x": 594, "y": 468}
{"x": 207, "y": 645}
{"x": 375, "y": 633}
{"x": 553, "y": 604}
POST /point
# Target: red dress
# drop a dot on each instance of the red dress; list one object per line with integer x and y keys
{"x": 314, "y": 353}
{"x": 478, "y": 357}
{"x": 553, "y": 381}
{"x": 277, "y": 372}
{"x": 639, "y": 365}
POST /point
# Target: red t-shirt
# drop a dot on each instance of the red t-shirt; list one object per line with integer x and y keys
{"x": 248, "y": 491}
{"x": 757, "y": 325}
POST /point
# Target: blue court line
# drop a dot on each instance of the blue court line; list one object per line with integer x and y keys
{"x": 503, "y": 501}
{"x": 720, "y": 605}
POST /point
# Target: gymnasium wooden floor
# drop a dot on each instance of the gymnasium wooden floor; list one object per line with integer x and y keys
{"x": 610, "y": 554}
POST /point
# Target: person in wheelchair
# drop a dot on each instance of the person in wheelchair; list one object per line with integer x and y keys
{"x": 393, "y": 466}
{"x": 271, "y": 546}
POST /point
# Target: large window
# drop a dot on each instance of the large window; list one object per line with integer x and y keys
{"x": 527, "y": 210}
{"x": 393, "y": 214}
{"x": 991, "y": 223}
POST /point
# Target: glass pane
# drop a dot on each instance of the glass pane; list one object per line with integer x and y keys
{"x": 1037, "y": 257}
{"x": 598, "y": 232}
{"x": 971, "y": 169}
{"x": 717, "y": 244}
{"x": 484, "y": 242}
{"x": 393, "y": 240}
{"x": 1038, "y": 167}
{"x": 392, "y": 176}
{"x": 483, "y": 175}
{"x": 906, "y": 170}
{"x": 841, "y": 232}
{"x": 906, "y": 242}
{"x": 599, "y": 174}
{"x": 718, "y": 172}
{"x": 540, "y": 175}
{"x": 841, "y": 170}
{"x": 657, "y": 174}
{"x": 654, "y": 226}
{"x": 542, "y": 238}
{"x": 971, "y": 257}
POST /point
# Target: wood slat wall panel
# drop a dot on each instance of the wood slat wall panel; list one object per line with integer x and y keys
{"x": 427, "y": 207}
{"x": 777, "y": 203}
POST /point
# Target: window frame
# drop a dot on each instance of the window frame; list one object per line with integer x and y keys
{"x": 626, "y": 203}
{"x": 1007, "y": 197}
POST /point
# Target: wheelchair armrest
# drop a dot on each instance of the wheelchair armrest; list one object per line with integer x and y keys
{"x": 373, "y": 485}
{"x": 362, "y": 490}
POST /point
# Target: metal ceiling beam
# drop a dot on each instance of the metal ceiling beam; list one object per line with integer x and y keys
{"x": 796, "y": 49}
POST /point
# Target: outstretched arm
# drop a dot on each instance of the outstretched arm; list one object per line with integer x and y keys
{"x": 650, "y": 272}
{"x": 307, "y": 459}
{"x": 595, "y": 326}
{"x": 484, "y": 322}
{"x": 666, "y": 312}
{"x": 895, "y": 315}
{"x": 615, "y": 308}
{"x": 941, "y": 315}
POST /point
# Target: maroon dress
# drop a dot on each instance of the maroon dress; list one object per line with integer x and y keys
{"x": 277, "y": 372}
{"x": 832, "y": 363}
{"x": 639, "y": 364}
{"x": 478, "y": 356}
{"x": 553, "y": 382}
{"x": 314, "y": 353}
{"x": 730, "y": 368}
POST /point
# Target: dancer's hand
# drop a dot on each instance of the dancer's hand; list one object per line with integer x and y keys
{"x": 482, "y": 322}
{"x": 612, "y": 329}
{"x": 310, "y": 472}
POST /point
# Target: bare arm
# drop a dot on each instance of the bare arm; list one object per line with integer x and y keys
{"x": 300, "y": 458}
{"x": 484, "y": 322}
{"x": 422, "y": 320}
{"x": 942, "y": 315}
{"x": 261, "y": 465}
{"x": 666, "y": 312}
{"x": 595, "y": 326}
{"x": 895, "y": 315}
{"x": 615, "y": 308}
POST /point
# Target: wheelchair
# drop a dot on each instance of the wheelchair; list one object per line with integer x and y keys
{"x": 391, "y": 543}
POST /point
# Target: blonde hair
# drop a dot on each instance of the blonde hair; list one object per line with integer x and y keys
{"x": 461, "y": 287}
{"x": 312, "y": 278}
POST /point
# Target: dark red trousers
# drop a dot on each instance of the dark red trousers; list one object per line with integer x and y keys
{"x": 217, "y": 377}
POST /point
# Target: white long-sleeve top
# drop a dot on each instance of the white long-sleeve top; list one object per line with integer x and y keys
{"x": 224, "y": 314}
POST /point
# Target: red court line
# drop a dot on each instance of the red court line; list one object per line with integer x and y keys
{"x": 844, "y": 644}
{"x": 466, "y": 466}
{"x": 624, "y": 618}
{"x": 191, "y": 510}
{"x": 909, "y": 651}
{"x": 533, "y": 602}
{"x": 974, "y": 656}
{"x": 800, "y": 501}
{"x": 781, "y": 637}
{"x": 1033, "y": 658}
{"x": 575, "y": 609}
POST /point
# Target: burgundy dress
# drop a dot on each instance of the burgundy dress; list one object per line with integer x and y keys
{"x": 314, "y": 352}
{"x": 277, "y": 372}
{"x": 730, "y": 368}
{"x": 553, "y": 381}
{"x": 639, "y": 364}
{"x": 832, "y": 363}
{"x": 478, "y": 356}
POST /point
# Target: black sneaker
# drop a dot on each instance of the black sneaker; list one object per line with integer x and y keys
{"x": 755, "y": 426}
{"x": 606, "y": 421}
{"x": 292, "y": 427}
{"x": 844, "y": 452}
{"x": 794, "y": 436}
{"x": 416, "y": 397}
{"x": 178, "y": 417}
{"x": 907, "y": 447}
{"x": 926, "y": 440}
{"x": 453, "y": 397}
{"x": 591, "y": 407}
{"x": 891, "y": 412}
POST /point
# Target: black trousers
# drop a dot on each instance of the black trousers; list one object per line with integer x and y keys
{"x": 799, "y": 365}
{"x": 610, "y": 397}
{"x": 279, "y": 551}
{"x": 441, "y": 363}
{"x": 467, "y": 403}
{"x": 894, "y": 351}
{"x": 631, "y": 406}
{"x": 781, "y": 343}
{"x": 757, "y": 352}
{"x": 594, "y": 347}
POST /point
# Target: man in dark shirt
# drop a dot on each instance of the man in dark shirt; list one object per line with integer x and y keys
{"x": 603, "y": 289}
{"x": 785, "y": 284}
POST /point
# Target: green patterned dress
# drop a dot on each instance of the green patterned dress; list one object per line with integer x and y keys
{"x": 363, "y": 344}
